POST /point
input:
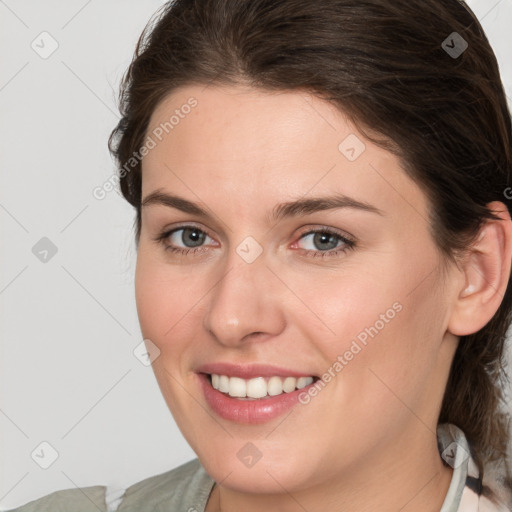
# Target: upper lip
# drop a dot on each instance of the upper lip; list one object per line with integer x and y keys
{"x": 248, "y": 371}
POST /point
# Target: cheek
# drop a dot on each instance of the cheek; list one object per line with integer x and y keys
{"x": 168, "y": 305}
{"x": 169, "y": 300}
{"x": 156, "y": 298}
{"x": 380, "y": 318}
{"x": 341, "y": 305}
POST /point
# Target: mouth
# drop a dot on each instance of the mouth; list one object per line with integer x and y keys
{"x": 258, "y": 387}
{"x": 253, "y": 395}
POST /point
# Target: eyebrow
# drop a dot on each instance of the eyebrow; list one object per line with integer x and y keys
{"x": 294, "y": 208}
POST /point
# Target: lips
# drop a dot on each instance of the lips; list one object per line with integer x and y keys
{"x": 232, "y": 402}
{"x": 249, "y": 371}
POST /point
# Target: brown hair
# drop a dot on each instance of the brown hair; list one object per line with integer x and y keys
{"x": 386, "y": 64}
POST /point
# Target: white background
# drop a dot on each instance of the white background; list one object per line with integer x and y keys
{"x": 69, "y": 326}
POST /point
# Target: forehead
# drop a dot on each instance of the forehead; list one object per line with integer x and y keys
{"x": 239, "y": 121}
{"x": 252, "y": 143}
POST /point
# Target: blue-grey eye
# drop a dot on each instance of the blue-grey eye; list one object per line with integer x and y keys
{"x": 190, "y": 237}
{"x": 321, "y": 241}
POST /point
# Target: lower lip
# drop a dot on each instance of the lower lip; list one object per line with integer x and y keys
{"x": 248, "y": 411}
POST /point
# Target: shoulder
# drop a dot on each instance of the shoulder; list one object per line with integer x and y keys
{"x": 496, "y": 488}
{"x": 489, "y": 491}
{"x": 186, "y": 487}
{"x": 86, "y": 499}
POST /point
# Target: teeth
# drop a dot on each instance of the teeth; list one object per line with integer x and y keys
{"x": 258, "y": 387}
{"x": 237, "y": 387}
{"x": 223, "y": 383}
{"x": 289, "y": 384}
{"x": 302, "y": 382}
{"x": 274, "y": 386}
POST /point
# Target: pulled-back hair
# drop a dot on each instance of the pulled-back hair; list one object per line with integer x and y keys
{"x": 387, "y": 65}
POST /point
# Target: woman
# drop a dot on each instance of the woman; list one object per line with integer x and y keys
{"x": 363, "y": 375}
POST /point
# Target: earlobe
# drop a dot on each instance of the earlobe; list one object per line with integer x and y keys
{"x": 486, "y": 271}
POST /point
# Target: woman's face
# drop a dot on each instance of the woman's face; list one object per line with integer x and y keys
{"x": 344, "y": 287}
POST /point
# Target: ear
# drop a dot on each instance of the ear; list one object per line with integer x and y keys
{"x": 486, "y": 269}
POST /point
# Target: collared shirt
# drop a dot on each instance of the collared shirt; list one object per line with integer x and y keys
{"x": 188, "y": 487}
{"x": 469, "y": 491}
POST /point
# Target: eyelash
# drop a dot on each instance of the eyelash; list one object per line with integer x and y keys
{"x": 349, "y": 244}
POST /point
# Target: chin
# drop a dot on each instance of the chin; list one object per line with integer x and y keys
{"x": 268, "y": 475}
{"x": 262, "y": 480}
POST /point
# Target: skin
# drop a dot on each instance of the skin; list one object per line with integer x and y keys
{"x": 367, "y": 440}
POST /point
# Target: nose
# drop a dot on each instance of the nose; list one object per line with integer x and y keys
{"x": 245, "y": 304}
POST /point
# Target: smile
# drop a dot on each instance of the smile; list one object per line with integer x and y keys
{"x": 258, "y": 387}
{"x": 251, "y": 394}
